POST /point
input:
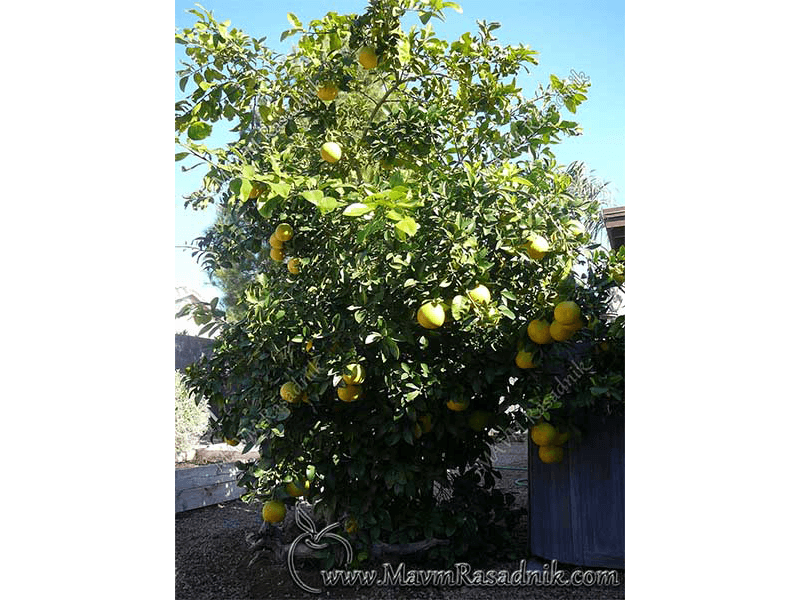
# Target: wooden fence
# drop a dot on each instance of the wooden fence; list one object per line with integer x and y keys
{"x": 577, "y": 507}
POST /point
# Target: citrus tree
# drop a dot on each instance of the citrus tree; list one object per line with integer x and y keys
{"x": 423, "y": 267}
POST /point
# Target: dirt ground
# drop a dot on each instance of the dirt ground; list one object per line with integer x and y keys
{"x": 212, "y": 556}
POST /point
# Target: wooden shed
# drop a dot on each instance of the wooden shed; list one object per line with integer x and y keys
{"x": 614, "y": 219}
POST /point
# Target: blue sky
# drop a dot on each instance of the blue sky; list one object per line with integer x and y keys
{"x": 584, "y": 35}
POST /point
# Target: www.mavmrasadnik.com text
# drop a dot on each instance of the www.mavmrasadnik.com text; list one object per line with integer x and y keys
{"x": 462, "y": 574}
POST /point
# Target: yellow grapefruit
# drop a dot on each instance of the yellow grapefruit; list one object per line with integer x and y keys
{"x": 273, "y": 511}
{"x": 276, "y": 254}
{"x": 560, "y": 333}
{"x": 327, "y": 92}
{"x": 353, "y": 374}
{"x": 430, "y": 315}
{"x": 537, "y": 246}
{"x": 331, "y": 152}
{"x": 290, "y": 391}
{"x": 457, "y": 406}
{"x": 539, "y": 332}
{"x": 543, "y": 434}
{"x": 275, "y": 242}
{"x": 562, "y": 438}
{"x": 294, "y": 490}
{"x": 349, "y": 393}
{"x": 367, "y": 58}
{"x": 551, "y": 454}
{"x": 567, "y": 312}
{"x": 575, "y": 227}
{"x": 480, "y": 294}
{"x": 284, "y": 232}
{"x": 618, "y": 273}
{"x": 524, "y": 360}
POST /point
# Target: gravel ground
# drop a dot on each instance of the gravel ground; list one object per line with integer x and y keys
{"x": 212, "y": 556}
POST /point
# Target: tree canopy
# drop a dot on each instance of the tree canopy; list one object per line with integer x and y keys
{"x": 417, "y": 222}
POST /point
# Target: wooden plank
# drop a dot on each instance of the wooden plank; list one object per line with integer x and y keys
{"x": 598, "y": 482}
{"x": 614, "y": 219}
{"x": 206, "y": 474}
{"x": 200, "y": 497}
{"x": 550, "y": 514}
{"x": 204, "y": 486}
{"x": 613, "y": 211}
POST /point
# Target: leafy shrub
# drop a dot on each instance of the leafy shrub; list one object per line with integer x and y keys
{"x": 191, "y": 417}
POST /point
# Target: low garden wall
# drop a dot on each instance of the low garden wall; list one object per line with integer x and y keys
{"x": 189, "y": 348}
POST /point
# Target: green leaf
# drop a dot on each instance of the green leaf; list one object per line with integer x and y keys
{"x": 459, "y": 307}
{"x": 266, "y": 206}
{"x": 293, "y": 20}
{"x": 245, "y": 189}
{"x": 327, "y": 204}
{"x": 507, "y": 312}
{"x": 407, "y": 225}
{"x": 182, "y": 83}
{"x": 248, "y": 171}
{"x": 390, "y": 345}
{"x": 276, "y": 168}
{"x": 411, "y": 395}
{"x": 181, "y": 156}
{"x": 357, "y": 209}
{"x": 335, "y": 42}
{"x": 280, "y": 189}
{"x": 372, "y": 337}
{"x": 313, "y": 196}
{"x": 288, "y": 33}
{"x": 199, "y": 131}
